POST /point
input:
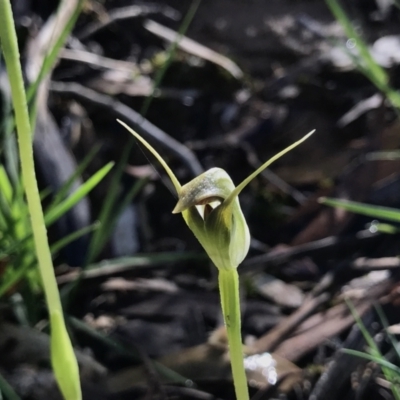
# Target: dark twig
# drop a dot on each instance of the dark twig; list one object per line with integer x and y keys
{"x": 140, "y": 124}
{"x": 322, "y": 247}
{"x": 314, "y": 331}
{"x": 274, "y": 337}
{"x": 98, "y": 61}
{"x": 183, "y": 392}
{"x": 124, "y": 13}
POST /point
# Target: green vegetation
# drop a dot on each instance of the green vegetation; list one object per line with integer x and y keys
{"x": 379, "y": 77}
{"x": 386, "y": 213}
{"x": 363, "y": 58}
{"x": 63, "y": 359}
{"x": 391, "y": 371}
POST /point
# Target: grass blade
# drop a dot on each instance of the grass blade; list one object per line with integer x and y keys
{"x": 108, "y": 205}
{"x": 390, "y": 373}
{"x": 376, "y": 70}
{"x": 170, "y": 54}
{"x": 66, "y": 187}
{"x": 51, "y": 57}
{"x": 59, "y": 210}
{"x": 379, "y": 360}
{"x": 57, "y": 246}
{"x": 365, "y": 62}
{"x": 385, "y": 324}
{"x": 7, "y": 390}
{"x": 387, "y": 213}
{"x": 109, "y": 220}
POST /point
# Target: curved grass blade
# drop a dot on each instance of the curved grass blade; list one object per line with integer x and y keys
{"x": 365, "y": 62}
{"x": 170, "y": 53}
{"x": 60, "y": 244}
{"x": 390, "y": 375}
{"x": 379, "y": 360}
{"x": 7, "y": 390}
{"x": 59, "y": 210}
{"x": 108, "y": 217}
{"x": 385, "y": 324}
{"x": 51, "y": 56}
{"x": 387, "y": 213}
{"x": 66, "y": 187}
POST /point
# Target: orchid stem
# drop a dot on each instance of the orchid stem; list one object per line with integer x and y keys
{"x": 229, "y": 291}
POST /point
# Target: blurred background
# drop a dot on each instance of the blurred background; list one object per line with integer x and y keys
{"x": 223, "y": 83}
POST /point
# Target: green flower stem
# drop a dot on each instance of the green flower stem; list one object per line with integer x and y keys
{"x": 229, "y": 291}
{"x": 63, "y": 358}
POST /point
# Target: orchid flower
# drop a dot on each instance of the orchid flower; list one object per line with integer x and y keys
{"x": 210, "y": 207}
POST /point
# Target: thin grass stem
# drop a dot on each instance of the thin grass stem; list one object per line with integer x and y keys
{"x": 63, "y": 358}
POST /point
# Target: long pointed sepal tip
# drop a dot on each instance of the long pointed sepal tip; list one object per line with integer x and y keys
{"x": 245, "y": 182}
{"x": 152, "y": 150}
